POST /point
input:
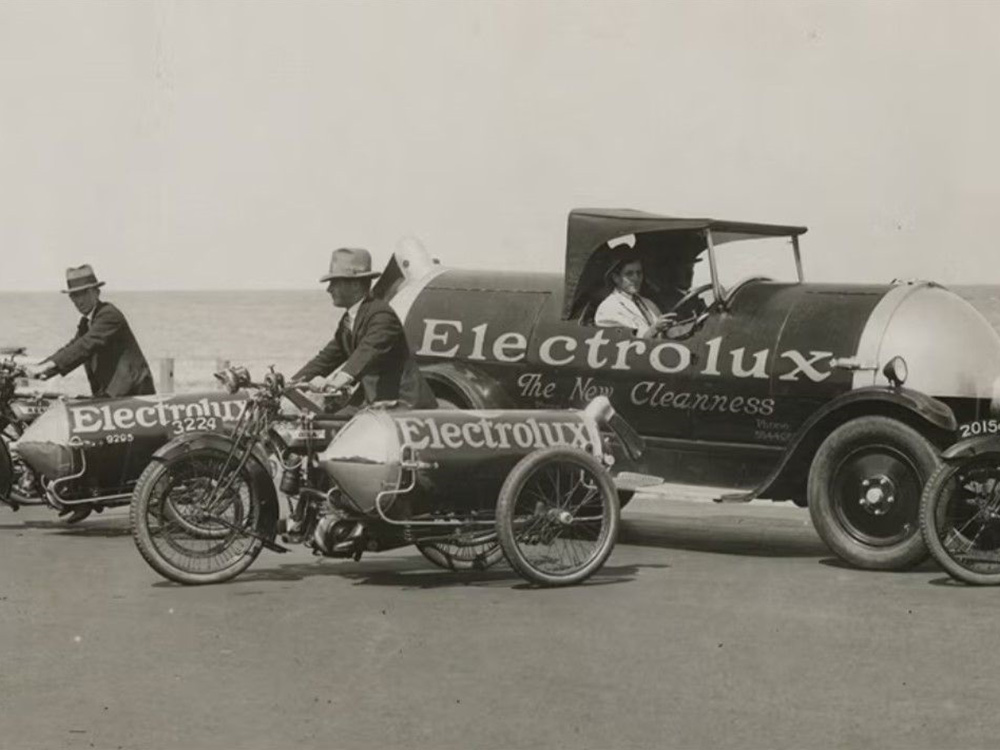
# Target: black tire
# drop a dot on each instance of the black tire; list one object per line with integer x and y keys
{"x": 864, "y": 492}
{"x": 6, "y": 470}
{"x": 536, "y": 511}
{"x": 456, "y": 556}
{"x": 960, "y": 522}
{"x": 182, "y": 546}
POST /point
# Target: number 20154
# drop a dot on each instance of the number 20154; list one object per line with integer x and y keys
{"x": 982, "y": 427}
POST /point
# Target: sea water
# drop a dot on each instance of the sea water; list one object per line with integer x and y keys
{"x": 198, "y": 329}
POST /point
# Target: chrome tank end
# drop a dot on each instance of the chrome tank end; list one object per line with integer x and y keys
{"x": 364, "y": 458}
{"x": 45, "y": 445}
{"x": 950, "y": 349}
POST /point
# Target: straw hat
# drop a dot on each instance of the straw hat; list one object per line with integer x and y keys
{"x": 350, "y": 263}
{"x": 80, "y": 278}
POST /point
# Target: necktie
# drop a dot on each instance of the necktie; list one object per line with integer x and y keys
{"x": 646, "y": 314}
{"x": 348, "y": 333}
{"x": 84, "y": 324}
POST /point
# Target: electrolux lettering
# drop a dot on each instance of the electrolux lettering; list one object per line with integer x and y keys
{"x": 89, "y": 418}
{"x": 429, "y": 432}
{"x": 444, "y": 338}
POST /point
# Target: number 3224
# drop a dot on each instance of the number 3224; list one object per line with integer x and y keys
{"x": 194, "y": 424}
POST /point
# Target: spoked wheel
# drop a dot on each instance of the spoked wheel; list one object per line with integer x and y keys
{"x": 557, "y": 516}
{"x": 6, "y": 470}
{"x": 478, "y": 554}
{"x": 960, "y": 519}
{"x": 193, "y": 525}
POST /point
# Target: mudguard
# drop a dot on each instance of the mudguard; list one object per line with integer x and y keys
{"x": 474, "y": 388}
{"x": 258, "y": 466}
{"x": 930, "y": 410}
{"x": 973, "y": 446}
{"x": 926, "y": 414}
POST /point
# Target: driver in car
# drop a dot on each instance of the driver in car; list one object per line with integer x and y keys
{"x": 625, "y": 307}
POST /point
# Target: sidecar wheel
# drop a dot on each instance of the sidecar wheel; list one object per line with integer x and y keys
{"x": 455, "y": 556}
{"x": 558, "y": 516}
{"x": 960, "y": 519}
{"x": 180, "y": 538}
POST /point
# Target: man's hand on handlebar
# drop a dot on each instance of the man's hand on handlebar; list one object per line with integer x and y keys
{"x": 41, "y": 371}
{"x": 336, "y": 383}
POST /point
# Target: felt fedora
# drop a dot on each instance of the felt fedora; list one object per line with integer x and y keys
{"x": 80, "y": 278}
{"x": 350, "y": 263}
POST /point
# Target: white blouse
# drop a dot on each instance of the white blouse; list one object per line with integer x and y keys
{"x": 623, "y": 311}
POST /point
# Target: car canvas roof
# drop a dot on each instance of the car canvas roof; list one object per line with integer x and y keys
{"x": 590, "y": 228}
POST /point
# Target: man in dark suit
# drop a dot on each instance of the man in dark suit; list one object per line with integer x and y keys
{"x": 103, "y": 344}
{"x": 370, "y": 344}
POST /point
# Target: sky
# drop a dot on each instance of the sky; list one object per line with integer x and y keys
{"x": 182, "y": 145}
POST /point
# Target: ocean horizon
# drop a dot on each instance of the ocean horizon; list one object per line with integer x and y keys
{"x": 255, "y": 328}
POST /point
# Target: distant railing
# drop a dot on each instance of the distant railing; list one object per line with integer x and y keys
{"x": 165, "y": 383}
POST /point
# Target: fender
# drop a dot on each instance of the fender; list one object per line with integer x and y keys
{"x": 973, "y": 446}
{"x": 258, "y": 466}
{"x": 920, "y": 411}
{"x": 471, "y": 386}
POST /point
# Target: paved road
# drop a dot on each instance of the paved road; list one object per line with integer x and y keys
{"x": 716, "y": 627}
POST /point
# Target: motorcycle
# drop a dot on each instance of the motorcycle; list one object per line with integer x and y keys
{"x": 465, "y": 487}
{"x": 960, "y": 507}
{"x": 19, "y": 484}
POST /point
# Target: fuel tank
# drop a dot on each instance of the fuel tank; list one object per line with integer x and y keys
{"x": 115, "y": 438}
{"x": 460, "y": 459}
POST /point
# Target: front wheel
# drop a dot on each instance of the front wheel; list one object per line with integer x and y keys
{"x": 192, "y": 523}
{"x": 864, "y": 492}
{"x": 960, "y": 519}
{"x": 557, "y": 516}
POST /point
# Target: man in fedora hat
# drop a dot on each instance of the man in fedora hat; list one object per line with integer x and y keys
{"x": 103, "y": 344}
{"x": 369, "y": 345}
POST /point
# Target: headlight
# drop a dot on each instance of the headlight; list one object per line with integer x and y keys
{"x": 895, "y": 371}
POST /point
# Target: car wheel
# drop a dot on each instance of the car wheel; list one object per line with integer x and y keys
{"x": 864, "y": 492}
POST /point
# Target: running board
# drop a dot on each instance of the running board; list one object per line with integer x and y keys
{"x": 691, "y": 492}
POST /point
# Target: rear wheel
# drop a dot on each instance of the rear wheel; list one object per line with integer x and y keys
{"x": 189, "y": 530}
{"x": 960, "y": 519}
{"x": 557, "y": 516}
{"x": 865, "y": 485}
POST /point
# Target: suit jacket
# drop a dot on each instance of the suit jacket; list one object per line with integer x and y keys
{"x": 375, "y": 352}
{"x": 110, "y": 355}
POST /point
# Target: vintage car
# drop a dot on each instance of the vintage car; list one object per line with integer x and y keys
{"x": 835, "y": 396}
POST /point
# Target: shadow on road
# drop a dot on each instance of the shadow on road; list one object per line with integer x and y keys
{"x": 927, "y": 566}
{"x": 723, "y": 535}
{"x": 111, "y": 527}
{"x": 413, "y": 574}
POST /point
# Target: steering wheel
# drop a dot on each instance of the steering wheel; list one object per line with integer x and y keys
{"x": 680, "y": 309}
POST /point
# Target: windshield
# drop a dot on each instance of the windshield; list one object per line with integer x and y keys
{"x": 771, "y": 257}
